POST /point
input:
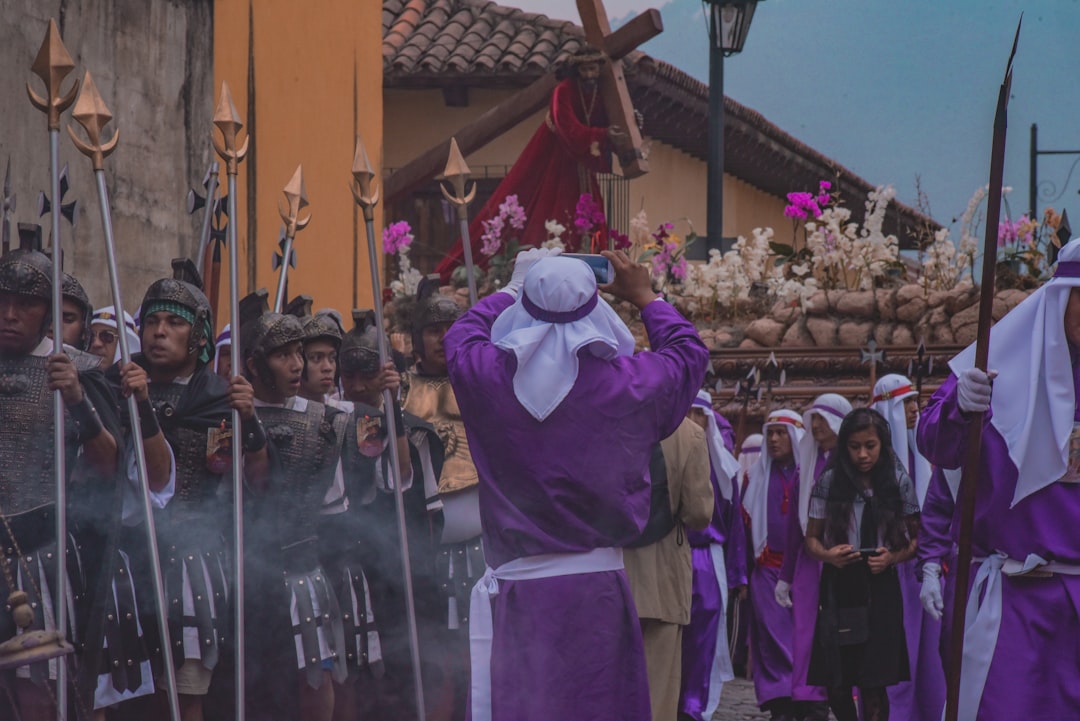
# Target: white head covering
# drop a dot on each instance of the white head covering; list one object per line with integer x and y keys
{"x": 1034, "y": 403}
{"x": 557, "y": 313}
{"x": 832, "y": 408}
{"x": 749, "y": 452}
{"x": 890, "y": 392}
{"x": 107, "y": 316}
{"x": 757, "y": 491}
{"x": 723, "y": 463}
{"x": 224, "y": 338}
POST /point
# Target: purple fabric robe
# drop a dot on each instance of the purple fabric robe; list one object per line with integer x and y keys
{"x": 804, "y": 574}
{"x": 569, "y": 647}
{"x": 1034, "y": 671}
{"x": 770, "y": 623}
{"x": 936, "y": 545}
{"x": 707, "y": 611}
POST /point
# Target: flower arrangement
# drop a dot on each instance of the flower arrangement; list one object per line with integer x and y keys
{"x": 498, "y": 243}
{"x": 397, "y": 239}
{"x": 667, "y": 254}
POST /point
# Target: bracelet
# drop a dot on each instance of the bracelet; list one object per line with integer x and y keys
{"x": 254, "y": 436}
{"x": 87, "y": 421}
{"x": 148, "y": 422}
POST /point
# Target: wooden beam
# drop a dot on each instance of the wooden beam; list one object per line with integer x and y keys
{"x": 504, "y": 116}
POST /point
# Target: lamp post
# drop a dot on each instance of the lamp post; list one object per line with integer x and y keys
{"x": 729, "y": 23}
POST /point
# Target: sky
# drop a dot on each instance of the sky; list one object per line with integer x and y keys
{"x": 896, "y": 90}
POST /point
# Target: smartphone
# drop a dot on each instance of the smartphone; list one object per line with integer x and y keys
{"x": 868, "y": 552}
{"x": 601, "y": 266}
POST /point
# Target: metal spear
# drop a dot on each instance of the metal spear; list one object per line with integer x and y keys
{"x": 209, "y": 203}
{"x": 52, "y": 64}
{"x": 457, "y": 172}
{"x": 228, "y": 122}
{"x": 296, "y": 198}
{"x": 973, "y": 463}
{"x": 366, "y": 198}
{"x": 90, "y": 111}
{"x": 8, "y": 209}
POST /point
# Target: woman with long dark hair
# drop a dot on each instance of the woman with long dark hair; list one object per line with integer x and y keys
{"x": 864, "y": 520}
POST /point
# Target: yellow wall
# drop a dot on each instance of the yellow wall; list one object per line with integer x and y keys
{"x": 308, "y": 57}
{"x": 674, "y": 188}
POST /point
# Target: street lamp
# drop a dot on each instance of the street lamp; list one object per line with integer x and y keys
{"x": 729, "y": 23}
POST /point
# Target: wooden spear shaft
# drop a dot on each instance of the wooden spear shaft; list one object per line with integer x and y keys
{"x": 972, "y": 464}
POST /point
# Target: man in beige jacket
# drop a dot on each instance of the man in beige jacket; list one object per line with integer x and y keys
{"x": 660, "y": 575}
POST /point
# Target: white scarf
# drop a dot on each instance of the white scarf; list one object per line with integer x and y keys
{"x": 756, "y": 501}
{"x": 749, "y": 452}
{"x": 723, "y": 463}
{"x": 1034, "y": 401}
{"x": 557, "y": 313}
{"x": 224, "y": 339}
{"x": 831, "y": 408}
{"x": 107, "y": 317}
{"x": 890, "y": 392}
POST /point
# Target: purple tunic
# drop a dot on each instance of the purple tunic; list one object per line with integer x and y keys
{"x": 804, "y": 574}
{"x": 1033, "y": 673}
{"x": 771, "y": 624}
{"x": 569, "y": 647}
{"x": 707, "y": 607}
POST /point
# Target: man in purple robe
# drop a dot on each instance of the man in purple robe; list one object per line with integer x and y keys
{"x": 1021, "y": 654}
{"x": 561, "y": 418}
{"x": 771, "y": 496}
{"x": 718, "y": 564}
{"x": 800, "y": 576}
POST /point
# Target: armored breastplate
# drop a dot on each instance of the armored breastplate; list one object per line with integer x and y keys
{"x": 433, "y": 400}
{"x": 308, "y": 445}
{"x": 26, "y": 435}
{"x": 198, "y": 468}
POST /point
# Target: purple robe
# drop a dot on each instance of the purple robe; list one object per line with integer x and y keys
{"x": 569, "y": 647}
{"x": 804, "y": 574}
{"x": 707, "y": 606}
{"x": 1033, "y": 673}
{"x": 770, "y": 623}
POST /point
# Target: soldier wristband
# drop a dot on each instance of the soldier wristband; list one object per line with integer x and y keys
{"x": 87, "y": 422}
{"x": 254, "y": 437}
{"x": 148, "y": 422}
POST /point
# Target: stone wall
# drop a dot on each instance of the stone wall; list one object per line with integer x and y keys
{"x": 901, "y": 316}
{"x": 152, "y": 61}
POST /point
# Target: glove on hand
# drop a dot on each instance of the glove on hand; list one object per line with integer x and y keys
{"x": 930, "y": 595}
{"x": 522, "y": 262}
{"x": 782, "y": 594}
{"x": 973, "y": 389}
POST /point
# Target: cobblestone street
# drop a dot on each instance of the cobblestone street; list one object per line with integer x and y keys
{"x": 737, "y": 703}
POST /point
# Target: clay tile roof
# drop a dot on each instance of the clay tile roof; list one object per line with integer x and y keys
{"x": 427, "y": 43}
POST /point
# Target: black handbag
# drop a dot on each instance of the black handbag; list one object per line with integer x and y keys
{"x": 852, "y": 625}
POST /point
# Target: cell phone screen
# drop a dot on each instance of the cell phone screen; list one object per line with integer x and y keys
{"x": 601, "y": 266}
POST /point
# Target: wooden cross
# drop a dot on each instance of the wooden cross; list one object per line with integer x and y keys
{"x": 872, "y": 355}
{"x": 620, "y": 110}
{"x": 518, "y": 107}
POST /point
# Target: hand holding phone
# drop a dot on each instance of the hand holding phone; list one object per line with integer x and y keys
{"x": 601, "y": 266}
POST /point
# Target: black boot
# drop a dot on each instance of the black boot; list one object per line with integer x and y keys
{"x": 812, "y": 711}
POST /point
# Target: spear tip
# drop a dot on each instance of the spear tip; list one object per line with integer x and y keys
{"x": 361, "y": 166}
{"x": 53, "y": 61}
{"x": 90, "y": 109}
{"x": 455, "y": 163}
{"x": 226, "y": 118}
{"x": 295, "y": 190}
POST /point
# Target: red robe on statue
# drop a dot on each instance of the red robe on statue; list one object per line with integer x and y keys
{"x": 558, "y": 165}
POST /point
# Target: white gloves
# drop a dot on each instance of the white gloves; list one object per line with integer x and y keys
{"x": 930, "y": 595}
{"x": 525, "y": 260}
{"x": 973, "y": 390}
{"x": 782, "y": 594}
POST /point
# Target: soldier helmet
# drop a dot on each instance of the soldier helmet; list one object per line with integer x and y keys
{"x": 27, "y": 273}
{"x": 320, "y": 326}
{"x": 359, "y": 351}
{"x": 182, "y": 295}
{"x": 73, "y": 291}
{"x": 432, "y": 308}
{"x": 263, "y": 332}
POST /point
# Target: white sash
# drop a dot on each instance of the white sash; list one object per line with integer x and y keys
{"x": 481, "y": 626}
{"x": 721, "y": 666}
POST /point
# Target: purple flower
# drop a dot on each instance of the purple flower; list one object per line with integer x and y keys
{"x": 678, "y": 270}
{"x": 397, "y": 237}
{"x": 492, "y": 237}
{"x": 622, "y": 242}
{"x": 794, "y": 211}
{"x": 825, "y": 185}
{"x": 511, "y": 211}
{"x": 587, "y": 214}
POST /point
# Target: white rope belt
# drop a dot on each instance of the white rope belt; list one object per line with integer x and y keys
{"x": 983, "y": 620}
{"x": 481, "y": 626}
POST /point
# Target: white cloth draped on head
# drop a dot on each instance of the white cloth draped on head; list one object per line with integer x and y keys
{"x": 749, "y": 452}
{"x": 757, "y": 490}
{"x": 831, "y": 408}
{"x": 723, "y": 463}
{"x": 890, "y": 392}
{"x": 107, "y": 316}
{"x": 557, "y": 313}
{"x": 1034, "y": 403}
{"x": 224, "y": 338}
